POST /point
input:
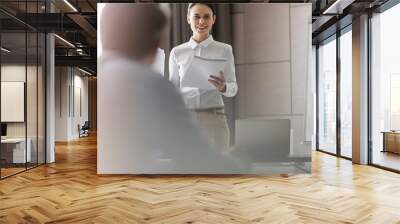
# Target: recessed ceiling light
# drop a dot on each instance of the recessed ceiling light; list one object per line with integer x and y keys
{"x": 84, "y": 71}
{"x": 337, "y": 7}
{"x": 5, "y": 50}
{"x": 64, "y": 40}
{"x": 70, "y": 5}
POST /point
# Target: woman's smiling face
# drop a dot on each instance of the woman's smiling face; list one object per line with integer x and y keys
{"x": 201, "y": 19}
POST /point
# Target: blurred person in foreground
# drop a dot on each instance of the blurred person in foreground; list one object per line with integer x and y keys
{"x": 144, "y": 127}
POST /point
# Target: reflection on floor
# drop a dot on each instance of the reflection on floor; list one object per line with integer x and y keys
{"x": 387, "y": 159}
{"x": 10, "y": 171}
{"x": 346, "y": 151}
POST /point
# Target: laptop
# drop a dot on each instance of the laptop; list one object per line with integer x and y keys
{"x": 262, "y": 140}
{"x": 3, "y": 131}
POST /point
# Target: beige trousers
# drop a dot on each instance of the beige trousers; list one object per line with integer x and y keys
{"x": 214, "y": 126}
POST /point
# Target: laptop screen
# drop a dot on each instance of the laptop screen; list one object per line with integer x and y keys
{"x": 3, "y": 129}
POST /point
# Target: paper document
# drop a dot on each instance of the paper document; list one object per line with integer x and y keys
{"x": 199, "y": 71}
{"x": 158, "y": 64}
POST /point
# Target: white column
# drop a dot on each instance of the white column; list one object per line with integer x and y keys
{"x": 50, "y": 100}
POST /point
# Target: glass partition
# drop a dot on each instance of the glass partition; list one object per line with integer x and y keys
{"x": 41, "y": 91}
{"x": 33, "y": 65}
{"x": 13, "y": 109}
{"x": 22, "y": 90}
{"x": 260, "y": 122}
{"x": 31, "y": 100}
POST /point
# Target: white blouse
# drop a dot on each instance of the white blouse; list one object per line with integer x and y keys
{"x": 180, "y": 59}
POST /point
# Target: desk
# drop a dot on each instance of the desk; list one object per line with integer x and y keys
{"x": 15, "y": 148}
{"x": 391, "y": 141}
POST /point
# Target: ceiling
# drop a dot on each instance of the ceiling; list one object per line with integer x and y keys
{"x": 76, "y": 22}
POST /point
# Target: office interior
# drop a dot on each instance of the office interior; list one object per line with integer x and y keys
{"x": 266, "y": 135}
{"x": 75, "y": 82}
{"x": 335, "y": 74}
{"x": 72, "y": 45}
{"x": 30, "y": 56}
{"x": 48, "y": 81}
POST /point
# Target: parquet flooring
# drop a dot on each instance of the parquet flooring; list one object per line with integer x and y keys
{"x": 10, "y": 171}
{"x": 387, "y": 159}
{"x": 70, "y": 191}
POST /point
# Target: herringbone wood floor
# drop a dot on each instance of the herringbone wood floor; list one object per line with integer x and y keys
{"x": 69, "y": 191}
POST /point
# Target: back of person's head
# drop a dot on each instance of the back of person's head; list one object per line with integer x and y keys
{"x": 131, "y": 29}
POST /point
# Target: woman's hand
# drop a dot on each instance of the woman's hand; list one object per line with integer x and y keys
{"x": 218, "y": 82}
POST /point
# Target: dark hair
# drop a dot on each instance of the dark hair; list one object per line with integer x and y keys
{"x": 199, "y": 3}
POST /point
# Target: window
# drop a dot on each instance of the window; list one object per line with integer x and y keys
{"x": 327, "y": 96}
{"x": 346, "y": 93}
{"x": 385, "y": 88}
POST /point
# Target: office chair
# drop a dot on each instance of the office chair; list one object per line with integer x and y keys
{"x": 84, "y": 130}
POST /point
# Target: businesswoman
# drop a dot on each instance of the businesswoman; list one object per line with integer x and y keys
{"x": 207, "y": 105}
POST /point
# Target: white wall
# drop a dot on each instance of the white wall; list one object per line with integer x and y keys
{"x": 272, "y": 46}
{"x": 69, "y": 82}
{"x": 33, "y": 127}
{"x": 80, "y": 84}
{"x": 61, "y": 103}
{"x": 12, "y": 73}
